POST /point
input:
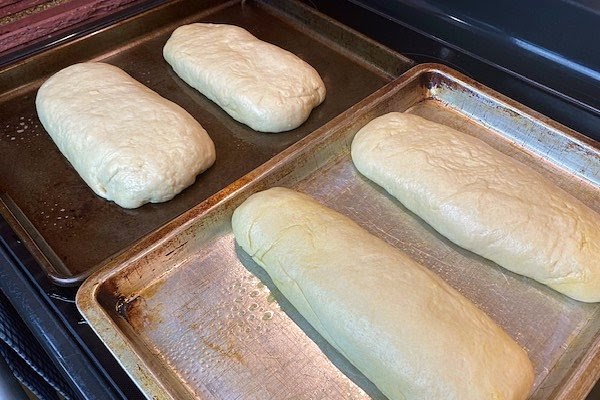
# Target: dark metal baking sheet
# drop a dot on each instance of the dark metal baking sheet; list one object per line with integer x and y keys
{"x": 190, "y": 315}
{"x": 68, "y": 228}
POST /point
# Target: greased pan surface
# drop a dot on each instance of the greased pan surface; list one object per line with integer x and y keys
{"x": 188, "y": 315}
{"x": 69, "y": 229}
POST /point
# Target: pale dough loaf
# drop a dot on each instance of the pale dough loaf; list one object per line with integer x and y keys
{"x": 484, "y": 201}
{"x": 129, "y": 144}
{"x": 257, "y": 83}
{"x": 402, "y": 326}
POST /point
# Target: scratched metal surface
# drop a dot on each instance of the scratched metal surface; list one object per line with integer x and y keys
{"x": 199, "y": 319}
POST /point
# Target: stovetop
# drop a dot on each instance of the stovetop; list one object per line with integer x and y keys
{"x": 541, "y": 54}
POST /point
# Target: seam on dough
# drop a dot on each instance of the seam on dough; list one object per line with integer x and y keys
{"x": 329, "y": 337}
{"x": 273, "y": 244}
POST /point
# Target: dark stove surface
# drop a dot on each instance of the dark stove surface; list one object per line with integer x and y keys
{"x": 540, "y": 53}
{"x": 551, "y": 42}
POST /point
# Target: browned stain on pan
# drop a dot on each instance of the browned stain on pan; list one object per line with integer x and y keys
{"x": 230, "y": 352}
{"x": 133, "y": 312}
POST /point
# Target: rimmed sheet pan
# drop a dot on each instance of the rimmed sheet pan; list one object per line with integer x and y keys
{"x": 69, "y": 229}
{"x": 189, "y": 315}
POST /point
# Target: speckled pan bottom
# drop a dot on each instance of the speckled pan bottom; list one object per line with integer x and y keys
{"x": 189, "y": 315}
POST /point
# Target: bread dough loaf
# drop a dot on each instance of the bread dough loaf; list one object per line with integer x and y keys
{"x": 128, "y": 144}
{"x": 257, "y": 83}
{"x": 402, "y": 326}
{"x": 484, "y": 201}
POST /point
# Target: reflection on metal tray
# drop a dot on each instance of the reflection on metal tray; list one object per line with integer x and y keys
{"x": 189, "y": 315}
{"x": 69, "y": 229}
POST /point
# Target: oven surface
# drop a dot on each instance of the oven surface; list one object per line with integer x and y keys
{"x": 549, "y": 71}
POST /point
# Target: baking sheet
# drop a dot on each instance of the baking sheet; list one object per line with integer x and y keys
{"x": 190, "y": 315}
{"x": 67, "y": 227}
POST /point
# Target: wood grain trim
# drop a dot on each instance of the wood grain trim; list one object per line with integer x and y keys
{"x": 66, "y": 15}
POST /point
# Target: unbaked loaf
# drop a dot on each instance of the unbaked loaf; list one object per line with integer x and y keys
{"x": 256, "y": 83}
{"x": 403, "y": 327}
{"x": 484, "y": 201}
{"x": 129, "y": 144}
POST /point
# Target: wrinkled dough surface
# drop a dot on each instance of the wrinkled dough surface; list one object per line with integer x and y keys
{"x": 256, "y": 83}
{"x": 402, "y": 326}
{"x": 129, "y": 144}
{"x": 484, "y": 201}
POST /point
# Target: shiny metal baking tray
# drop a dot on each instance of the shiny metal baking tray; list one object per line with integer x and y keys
{"x": 189, "y": 315}
{"x": 66, "y": 226}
